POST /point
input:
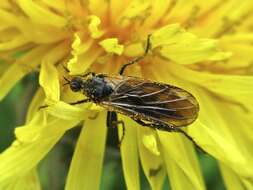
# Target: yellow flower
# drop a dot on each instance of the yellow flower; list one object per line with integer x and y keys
{"x": 204, "y": 47}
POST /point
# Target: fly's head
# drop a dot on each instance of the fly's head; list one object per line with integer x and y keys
{"x": 93, "y": 86}
{"x": 76, "y": 84}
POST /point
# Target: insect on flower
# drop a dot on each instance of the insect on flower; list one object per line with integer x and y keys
{"x": 152, "y": 104}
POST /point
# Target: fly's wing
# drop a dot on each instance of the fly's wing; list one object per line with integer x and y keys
{"x": 152, "y": 102}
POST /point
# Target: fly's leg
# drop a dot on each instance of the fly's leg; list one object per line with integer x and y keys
{"x": 65, "y": 68}
{"x": 170, "y": 129}
{"x": 112, "y": 122}
{"x": 191, "y": 139}
{"x": 85, "y": 75}
{"x": 79, "y": 102}
{"x": 123, "y": 131}
{"x": 71, "y": 103}
{"x": 42, "y": 107}
{"x": 111, "y": 119}
{"x": 137, "y": 59}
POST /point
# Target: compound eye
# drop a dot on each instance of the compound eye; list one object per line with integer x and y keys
{"x": 76, "y": 84}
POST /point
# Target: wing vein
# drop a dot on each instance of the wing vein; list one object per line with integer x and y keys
{"x": 154, "y": 93}
{"x": 166, "y": 101}
{"x": 152, "y": 107}
{"x": 129, "y": 90}
{"x": 153, "y": 111}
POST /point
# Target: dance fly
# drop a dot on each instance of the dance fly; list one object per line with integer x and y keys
{"x": 149, "y": 103}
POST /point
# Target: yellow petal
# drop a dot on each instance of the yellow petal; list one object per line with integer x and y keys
{"x": 38, "y": 14}
{"x": 37, "y": 127}
{"x": 138, "y": 10}
{"x": 224, "y": 18}
{"x": 216, "y": 138}
{"x": 65, "y": 111}
{"x": 176, "y": 8}
{"x": 83, "y": 55}
{"x": 9, "y": 18}
{"x": 98, "y": 7}
{"x": 150, "y": 157}
{"x": 86, "y": 165}
{"x": 3, "y": 67}
{"x": 181, "y": 162}
{"x": 30, "y": 132}
{"x": 11, "y": 77}
{"x": 213, "y": 135}
{"x": 94, "y": 23}
{"x": 17, "y": 160}
{"x": 42, "y": 34}
{"x": 31, "y": 31}
{"x": 56, "y": 4}
{"x": 234, "y": 89}
{"x": 28, "y": 63}
{"x": 49, "y": 80}
{"x": 5, "y": 4}
{"x": 116, "y": 7}
{"x": 111, "y": 45}
{"x": 37, "y": 101}
{"x": 158, "y": 9}
{"x": 233, "y": 181}
{"x": 240, "y": 132}
{"x": 19, "y": 40}
{"x": 216, "y": 143}
{"x": 19, "y": 69}
{"x": 30, "y": 181}
{"x": 239, "y": 44}
{"x": 129, "y": 153}
{"x": 135, "y": 8}
{"x": 133, "y": 50}
{"x": 183, "y": 47}
{"x": 84, "y": 61}
{"x": 78, "y": 46}
{"x": 150, "y": 143}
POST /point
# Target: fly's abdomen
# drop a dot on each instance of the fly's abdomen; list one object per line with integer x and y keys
{"x": 153, "y": 102}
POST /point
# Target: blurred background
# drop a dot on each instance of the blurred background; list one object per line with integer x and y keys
{"x": 54, "y": 167}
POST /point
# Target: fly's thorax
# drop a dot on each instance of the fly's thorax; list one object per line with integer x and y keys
{"x": 96, "y": 88}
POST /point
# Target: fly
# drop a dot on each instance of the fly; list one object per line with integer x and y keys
{"x": 149, "y": 103}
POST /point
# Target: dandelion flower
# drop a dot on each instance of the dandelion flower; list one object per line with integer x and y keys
{"x": 204, "y": 47}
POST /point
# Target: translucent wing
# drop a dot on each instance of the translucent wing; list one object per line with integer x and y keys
{"x": 150, "y": 101}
